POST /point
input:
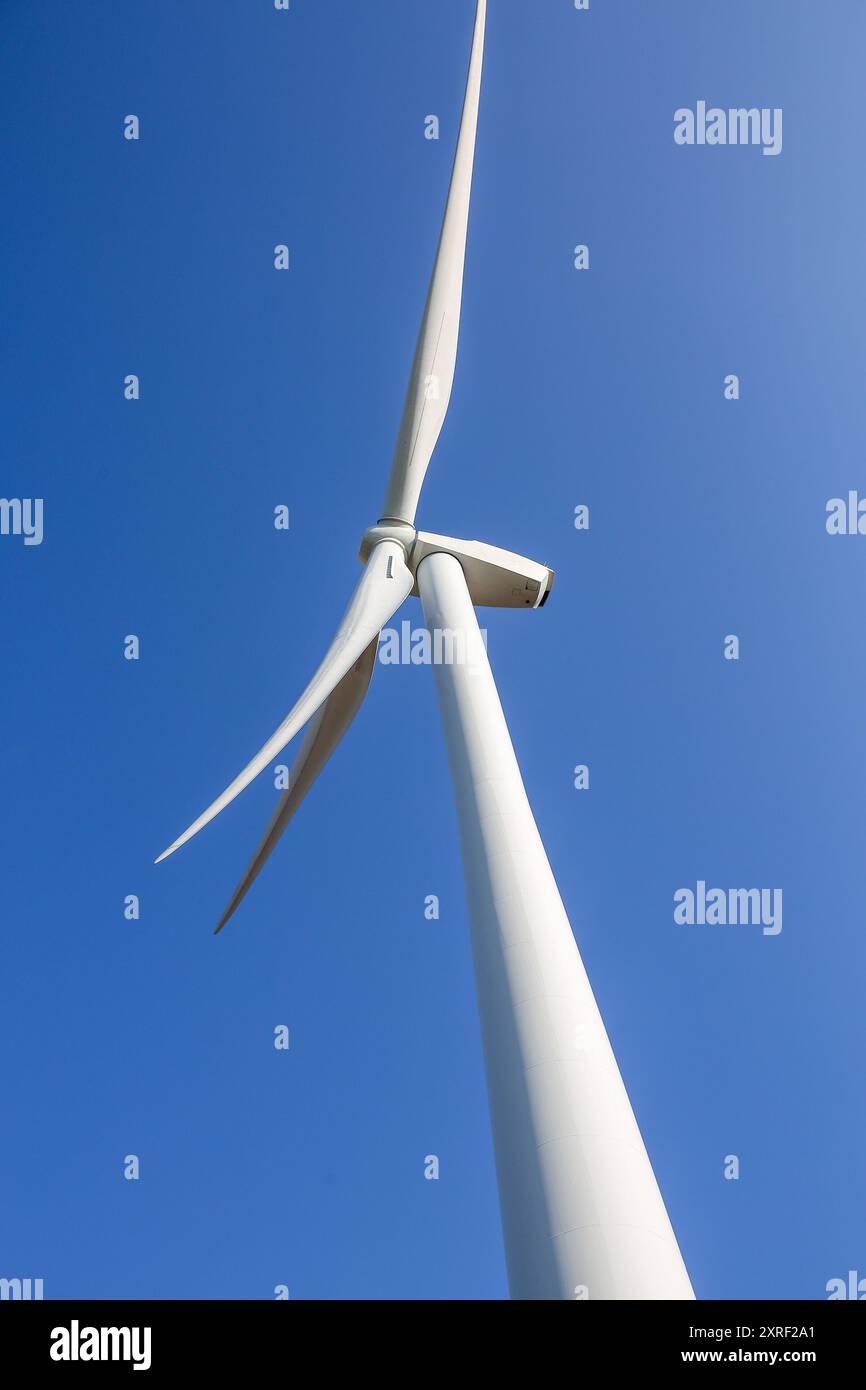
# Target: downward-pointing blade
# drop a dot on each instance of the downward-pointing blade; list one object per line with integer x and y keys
{"x": 323, "y": 734}
{"x": 385, "y": 583}
{"x": 432, "y": 374}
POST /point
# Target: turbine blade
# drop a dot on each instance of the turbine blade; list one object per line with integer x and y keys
{"x": 323, "y": 734}
{"x": 385, "y": 583}
{"x": 432, "y": 375}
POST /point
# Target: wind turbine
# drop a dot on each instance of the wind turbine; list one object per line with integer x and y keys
{"x": 581, "y": 1211}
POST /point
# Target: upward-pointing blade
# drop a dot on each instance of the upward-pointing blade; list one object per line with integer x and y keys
{"x": 385, "y": 583}
{"x": 323, "y": 734}
{"x": 436, "y": 354}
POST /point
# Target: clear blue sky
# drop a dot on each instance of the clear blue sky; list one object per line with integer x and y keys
{"x": 602, "y": 387}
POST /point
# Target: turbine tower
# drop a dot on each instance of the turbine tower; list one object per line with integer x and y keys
{"x": 581, "y": 1211}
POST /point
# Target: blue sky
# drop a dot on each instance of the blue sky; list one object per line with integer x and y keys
{"x": 602, "y": 387}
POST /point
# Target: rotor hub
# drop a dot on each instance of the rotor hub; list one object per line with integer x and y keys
{"x": 387, "y": 530}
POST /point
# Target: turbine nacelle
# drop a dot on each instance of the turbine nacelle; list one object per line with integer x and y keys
{"x": 495, "y": 578}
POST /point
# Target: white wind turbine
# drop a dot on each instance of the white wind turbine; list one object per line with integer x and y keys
{"x": 581, "y": 1211}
